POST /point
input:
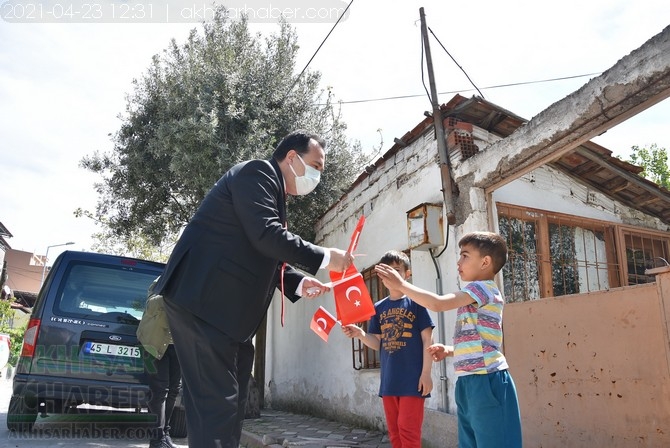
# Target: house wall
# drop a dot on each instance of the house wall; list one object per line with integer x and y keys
{"x": 546, "y": 188}
{"x": 327, "y": 384}
{"x": 24, "y": 274}
{"x": 305, "y": 374}
{"x": 592, "y": 370}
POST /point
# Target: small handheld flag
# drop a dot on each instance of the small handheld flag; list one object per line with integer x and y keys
{"x": 356, "y": 235}
{"x": 322, "y": 323}
{"x": 352, "y": 298}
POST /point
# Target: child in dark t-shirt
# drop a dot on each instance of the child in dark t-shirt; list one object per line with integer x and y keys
{"x": 401, "y": 330}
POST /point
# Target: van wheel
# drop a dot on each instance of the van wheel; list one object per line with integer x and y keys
{"x": 178, "y": 423}
{"x": 21, "y": 413}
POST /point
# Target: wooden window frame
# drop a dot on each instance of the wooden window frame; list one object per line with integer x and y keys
{"x": 617, "y": 239}
{"x": 362, "y": 356}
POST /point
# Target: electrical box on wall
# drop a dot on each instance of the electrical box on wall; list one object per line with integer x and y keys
{"x": 425, "y": 227}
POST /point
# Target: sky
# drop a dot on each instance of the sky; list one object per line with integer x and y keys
{"x": 63, "y": 82}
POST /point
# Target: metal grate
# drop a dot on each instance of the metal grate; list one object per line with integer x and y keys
{"x": 363, "y": 357}
{"x": 551, "y": 254}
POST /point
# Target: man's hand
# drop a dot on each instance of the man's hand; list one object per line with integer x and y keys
{"x": 339, "y": 260}
{"x": 312, "y": 288}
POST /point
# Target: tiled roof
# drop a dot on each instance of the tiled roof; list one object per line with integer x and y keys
{"x": 591, "y": 163}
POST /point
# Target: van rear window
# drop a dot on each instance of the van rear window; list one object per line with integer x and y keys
{"x": 103, "y": 292}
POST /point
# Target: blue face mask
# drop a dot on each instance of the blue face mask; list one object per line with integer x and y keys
{"x": 306, "y": 183}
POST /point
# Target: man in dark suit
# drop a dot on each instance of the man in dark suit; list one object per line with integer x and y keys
{"x": 222, "y": 273}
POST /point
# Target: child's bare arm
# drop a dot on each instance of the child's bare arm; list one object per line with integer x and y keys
{"x": 426, "y": 380}
{"x": 427, "y": 299}
{"x": 354, "y": 331}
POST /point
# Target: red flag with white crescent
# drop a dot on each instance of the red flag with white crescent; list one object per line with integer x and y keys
{"x": 322, "y": 323}
{"x": 356, "y": 235}
{"x": 352, "y": 298}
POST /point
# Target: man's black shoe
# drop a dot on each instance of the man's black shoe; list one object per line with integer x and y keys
{"x": 160, "y": 443}
{"x": 169, "y": 442}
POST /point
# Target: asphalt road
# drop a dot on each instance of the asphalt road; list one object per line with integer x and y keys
{"x": 88, "y": 428}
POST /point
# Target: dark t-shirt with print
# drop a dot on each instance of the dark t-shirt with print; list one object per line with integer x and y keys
{"x": 400, "y": 323}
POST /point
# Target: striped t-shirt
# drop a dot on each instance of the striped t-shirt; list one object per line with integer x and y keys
{"x": 478, "y": 333}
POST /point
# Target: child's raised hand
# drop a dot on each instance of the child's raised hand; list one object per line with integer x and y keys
{"x": 440, "y": 351}
{"x": 389, "y": 276}
{"x": 352, "y": 331}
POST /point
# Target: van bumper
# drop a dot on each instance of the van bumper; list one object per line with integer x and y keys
{"x": 78, "y": 391}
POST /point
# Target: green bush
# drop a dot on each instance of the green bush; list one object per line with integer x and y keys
{"x": 15, "y": 334}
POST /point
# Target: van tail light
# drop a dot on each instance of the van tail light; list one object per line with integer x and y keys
{"x": 30, "y": 338}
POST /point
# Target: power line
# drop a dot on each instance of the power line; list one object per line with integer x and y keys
{"x": 317, "y": 50}
{"x": 423, "y": 80}
{"x": 457, "y": 64}
{"x": 399, "y": 97}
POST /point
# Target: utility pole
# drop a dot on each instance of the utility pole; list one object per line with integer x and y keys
{"x": 439, "y": 128}
{"x": 46, "y": 259}
{"x": 446, "y": 193}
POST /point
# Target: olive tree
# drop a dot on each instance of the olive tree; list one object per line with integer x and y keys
{"x": 223, "y": 96}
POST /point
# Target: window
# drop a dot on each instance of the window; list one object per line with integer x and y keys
{"x": 108, "y": 293}
{"x": 643, "y": 252}
{"x": 552, "y": 254}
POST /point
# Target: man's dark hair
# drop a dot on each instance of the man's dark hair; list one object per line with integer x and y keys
{"x": 395, "y": 256}
{"x": 298, "y": 140}
{"x": 488, "y": 244}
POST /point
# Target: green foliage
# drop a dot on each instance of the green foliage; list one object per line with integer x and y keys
{"x": 654, "y": 161}
{"x": 15, "y": 334}
{"x": 202, "y": 107}
{"x": 6, "y": 313}
{"x": 134, "y": 244}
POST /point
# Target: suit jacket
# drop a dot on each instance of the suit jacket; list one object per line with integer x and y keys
{"x": 227, "y": 262}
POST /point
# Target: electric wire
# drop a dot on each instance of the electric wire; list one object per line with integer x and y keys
{"x": 423, "y": 80}
{"x": 497, "y": 86}
{"x": 314, "y": 55}
{"x": 457, "y": 64}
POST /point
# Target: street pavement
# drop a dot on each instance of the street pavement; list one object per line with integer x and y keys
{"x": 93, "y": 428}
{"x": 278, "y": 428}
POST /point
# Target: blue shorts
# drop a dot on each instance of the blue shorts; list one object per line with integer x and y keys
{"x": 488, "y": 411}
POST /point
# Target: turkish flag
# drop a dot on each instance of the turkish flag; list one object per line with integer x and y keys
{"x": 322, "y": 323}
{"x": 356, "y": 235}
{"x": 352, "y": 298}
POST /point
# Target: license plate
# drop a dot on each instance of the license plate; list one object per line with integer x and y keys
{"x": 97, "y": 348}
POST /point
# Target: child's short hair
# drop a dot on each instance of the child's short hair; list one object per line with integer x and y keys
{"x": 395, "y": 256}
{"x": 488, "y": 244}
